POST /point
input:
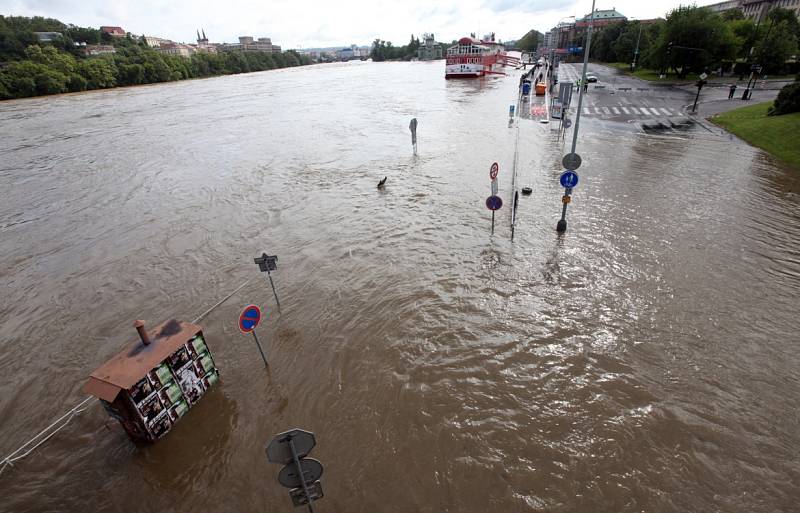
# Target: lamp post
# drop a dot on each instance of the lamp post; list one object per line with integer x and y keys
{"x": 636, "y": 52}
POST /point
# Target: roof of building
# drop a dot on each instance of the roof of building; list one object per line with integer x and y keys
{"x": 111, "y": 29}
{"x": 133, "y": 363}
{"x": 603, "y": 15}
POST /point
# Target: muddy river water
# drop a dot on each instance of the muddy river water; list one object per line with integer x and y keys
{"x": 648, "y": 360}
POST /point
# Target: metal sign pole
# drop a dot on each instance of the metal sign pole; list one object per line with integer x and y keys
{"x": 561, "y": 226}
{"x": 263, "y": 357}
{"x": 492, "y": 222}
{"x": 300, "y": 474}
{"x": 277, "y": 301}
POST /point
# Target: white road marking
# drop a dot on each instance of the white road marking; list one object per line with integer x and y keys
{"x": 616, "y": 110}
{"x": 625, "y": 110}
{"x": 597, "y": 110}
{"x": 667, "y": 112}
{"x": 635, "y": 111}
{"x": 586, "y": 111}
{"x": 655, "y": 111}
{"x": 606, "y": 111}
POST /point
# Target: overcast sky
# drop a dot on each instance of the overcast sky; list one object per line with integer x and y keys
{"x": 318, "y": 23}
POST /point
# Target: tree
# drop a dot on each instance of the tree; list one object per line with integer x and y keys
{"x": 693, "y": 39}
{"x": 99, "y": 73}
{"x": 529, "y": 42}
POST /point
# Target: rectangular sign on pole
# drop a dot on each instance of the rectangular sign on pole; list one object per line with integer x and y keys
{"x": 494, "y": 187}
{"x": 555, "y": 109}
{"x": 565, "y": 94}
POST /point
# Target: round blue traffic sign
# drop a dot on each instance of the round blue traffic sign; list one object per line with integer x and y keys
{"x": 494, "y": 203}
{"x": 249, "y": 318}
{"x": 568, "y": 179}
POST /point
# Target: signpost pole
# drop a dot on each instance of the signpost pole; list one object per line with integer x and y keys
{"x": 561, "y": 226}
{"x": 300, "y": 474}
{"x": 277, "y": 301}
{"x": 260, "y": 350}
{"x": 492, "y": 222}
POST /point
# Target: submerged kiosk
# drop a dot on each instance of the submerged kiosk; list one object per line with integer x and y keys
{"x": 152, "y": 383}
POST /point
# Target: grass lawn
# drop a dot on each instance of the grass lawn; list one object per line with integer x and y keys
{"x": 778, "y": 135}
{"x": 649, "y": 74}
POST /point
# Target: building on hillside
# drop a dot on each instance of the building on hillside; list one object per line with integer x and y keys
{"x": 601, "y": 18}
{"x": 429, "y": 50}
{"x": 113, "y": 31}
{"x": 248, "y": 44}
{"x": 47, "y": 37}
{"x": 91, "y": 50}
{"x": 725, "y": 6}
{"x": 757, "y": 9}
{"x": 155, "y": 42}
{"x": 178, "y": 49}
{"x": 202, "y": 43}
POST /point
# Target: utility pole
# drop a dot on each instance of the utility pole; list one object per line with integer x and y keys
{"x": 636, "y": 52}
{"x": 561, "y": 226}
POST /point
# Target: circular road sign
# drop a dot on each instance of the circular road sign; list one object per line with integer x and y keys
{"x": 278, "y": 450}
{"x": 494, "y": 203}
{"x": 493, "y": 171}
{"x": 249, "y": 318}
{"x": 571, "y": 161}
{"x": 567, "y": 123}
{"x": 568, "y": 179}
{"x": 290, "y": 478}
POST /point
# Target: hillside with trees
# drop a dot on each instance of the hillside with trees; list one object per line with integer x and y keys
{"x": 29, "y": 67}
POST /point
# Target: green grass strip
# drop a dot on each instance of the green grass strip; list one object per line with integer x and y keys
{"x": 777, "y": 135}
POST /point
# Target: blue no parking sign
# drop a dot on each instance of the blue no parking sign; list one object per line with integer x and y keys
{"x": 568, "y": 179}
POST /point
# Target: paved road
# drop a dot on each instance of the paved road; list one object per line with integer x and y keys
{"x": 617, "y": 97}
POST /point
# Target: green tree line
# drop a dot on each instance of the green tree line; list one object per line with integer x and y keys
{"x": 385, "y": 51}
{"x": 30, "y": 68}
{"x": 702, "y": 39}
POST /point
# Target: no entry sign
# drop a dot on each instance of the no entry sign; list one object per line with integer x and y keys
{"x": 494, "y": 170}
{"x": 249, "y": 318}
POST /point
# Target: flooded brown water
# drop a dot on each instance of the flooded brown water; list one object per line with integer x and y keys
{"x": 645, "y": 361}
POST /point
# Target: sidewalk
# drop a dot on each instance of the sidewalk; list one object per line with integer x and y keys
{"x": 714, "y": 103}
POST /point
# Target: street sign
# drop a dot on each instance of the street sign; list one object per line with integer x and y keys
{"x": 413, "y": 127}
{"x": 756, "y": 68}
{"x": 703, "y": 76}
{"x": 494, "y": 202}
{"x": 568, "y": 179}
{"x": 267, "y": 263}
{"x": 288, "y": 476}
{"x": 571, "y": 161}
{"x": 556, "y": 109}
{"x": 249, "y": 318}
{"x": 278, "y": 450}
{"x": 299, "y": 498}
{"x": 511, "y": 111}
{"x": 494, "y": 170}
{"x": 567, "y": 123}
{"x": 494, "y": 187}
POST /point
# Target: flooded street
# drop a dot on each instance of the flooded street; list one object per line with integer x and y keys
{"x": 647, "y": 360}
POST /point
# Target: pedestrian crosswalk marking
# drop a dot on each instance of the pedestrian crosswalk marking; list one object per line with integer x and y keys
{"x": 620, "y": 110}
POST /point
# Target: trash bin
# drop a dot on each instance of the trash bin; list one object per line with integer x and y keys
{"x": 526, "y": 88}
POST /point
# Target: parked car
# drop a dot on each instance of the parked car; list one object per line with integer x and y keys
{"x": 591, "y": 78}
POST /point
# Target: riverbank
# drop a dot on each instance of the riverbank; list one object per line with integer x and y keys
{"x": 777, "y": 135}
